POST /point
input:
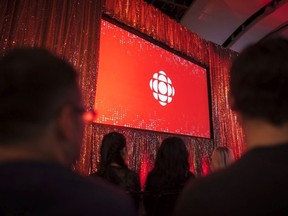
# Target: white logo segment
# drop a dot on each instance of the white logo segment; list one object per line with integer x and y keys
{"x": 163, "y": 90}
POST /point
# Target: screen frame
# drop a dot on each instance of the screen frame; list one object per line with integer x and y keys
{"x": 164, "y": 46}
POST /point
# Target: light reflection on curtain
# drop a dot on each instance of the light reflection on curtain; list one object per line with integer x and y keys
{"x": 147, "y": 19}
{"x": 69, "y": 28}
{"x": 227, "y": 130}
{"x": 142, "y": 146}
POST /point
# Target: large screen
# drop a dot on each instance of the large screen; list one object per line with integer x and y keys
{"x": 142, "y": 85}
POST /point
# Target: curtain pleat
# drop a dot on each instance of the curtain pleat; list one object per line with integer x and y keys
{"x": 69, "y": 28}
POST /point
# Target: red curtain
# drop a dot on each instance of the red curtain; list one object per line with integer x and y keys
{"x": 227, "y": 130}
{"x": 69, "y": 28}
{"x": 145, "y": 18}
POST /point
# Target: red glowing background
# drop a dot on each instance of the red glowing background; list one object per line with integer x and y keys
{"x": 141, "y": 85}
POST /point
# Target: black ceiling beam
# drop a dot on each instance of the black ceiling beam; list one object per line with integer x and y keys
{"x": 174, "y": 4}
{"x": 276, "y": 31}
{"x": 262, "y": 12}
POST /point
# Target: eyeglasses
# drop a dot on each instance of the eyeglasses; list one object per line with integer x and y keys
{"x": 88, "y": 116}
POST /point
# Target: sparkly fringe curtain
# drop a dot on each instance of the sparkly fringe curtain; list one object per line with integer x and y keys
{"x": 143, "y": 145}
{"x": 145, "y": 18}
{"x": 227, "y": 130}
{"x": 70, "y": 28}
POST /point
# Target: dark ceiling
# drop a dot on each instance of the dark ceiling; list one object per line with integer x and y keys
{"x": 230, "y": 23}
{"x": 175, "y": 9}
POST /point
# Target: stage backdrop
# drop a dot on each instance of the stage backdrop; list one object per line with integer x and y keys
{"x": 226, "y": 131}
{"x": 71, "y": 28}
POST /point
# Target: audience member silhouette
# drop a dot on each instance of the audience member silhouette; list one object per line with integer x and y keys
{"x": 255, "y": 184}
{"x": 113, "y": 168}
{"x": 41, "y": 130}
{"x": 167, "y": 178}
{"x": 222, "y": 157}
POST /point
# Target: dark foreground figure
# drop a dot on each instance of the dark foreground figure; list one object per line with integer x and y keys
{"x": 41, "y": 130}
{"x": 256, "y": 184}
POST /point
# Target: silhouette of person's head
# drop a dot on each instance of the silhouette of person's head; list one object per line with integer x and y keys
{"x": 172, "y": 155}
{"x": 259, "y": 81}
{"x": 113, "y": 150}
{"x": 259, "y": 95}
{"x": 41, "y": 108}
{"x": 171, "y": 163}
{"x": 222, "y": 157}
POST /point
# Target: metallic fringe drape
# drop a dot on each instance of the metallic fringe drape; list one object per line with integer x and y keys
{"x": 226, "y": 131}
{"x": 71, "y": 28}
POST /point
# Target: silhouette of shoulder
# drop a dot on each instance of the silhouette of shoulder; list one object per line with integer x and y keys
{"x": 240, "y": 187}
{"x": 46, "y": 188}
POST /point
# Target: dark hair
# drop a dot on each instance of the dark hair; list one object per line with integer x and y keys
{"x": 171, "y": 163}
{"x": 259, "y": 81}
{"x": 33, "y": 86}
{"x": 111, "y": 151}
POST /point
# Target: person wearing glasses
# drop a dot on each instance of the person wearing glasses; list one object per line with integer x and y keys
{"x": 222, "y": 157}
{"x": 255, "y": 184}
{"x": 41, "y": 131}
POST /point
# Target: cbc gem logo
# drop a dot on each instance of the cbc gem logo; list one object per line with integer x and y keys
{"x": 163, "y": 90}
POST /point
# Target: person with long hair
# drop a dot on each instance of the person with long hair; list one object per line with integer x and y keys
{"x": 222, "y": 157}
{"x": 112, "y": 166}
{"x": 167, "y": 178}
